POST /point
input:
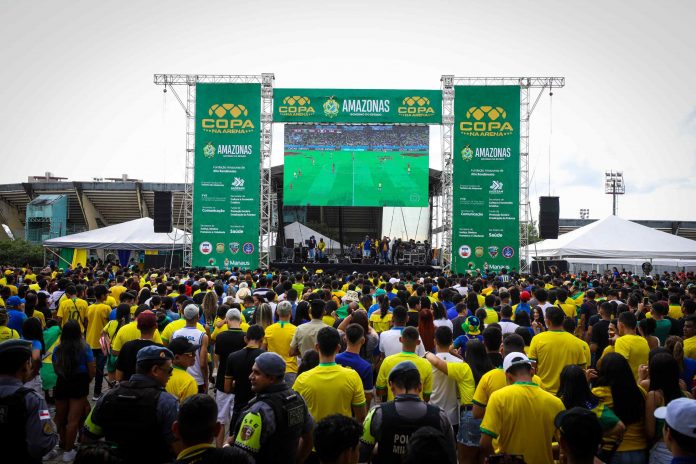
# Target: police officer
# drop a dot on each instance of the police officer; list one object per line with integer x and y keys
{"x": 27, "y": 432}
{"x": 392, "y": 423}
{"x": 276, "y": 426}
{"x": 138, "y": 414}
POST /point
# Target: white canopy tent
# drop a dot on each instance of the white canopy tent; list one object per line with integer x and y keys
{"x": 300, "y": 232}
{"x": 136, "y": 235}
{"x": 617, "y": 241}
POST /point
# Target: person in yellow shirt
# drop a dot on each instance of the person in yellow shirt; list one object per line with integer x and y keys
{"x": 554, "y": 349}
{"x": 410, "y": 339}
{"x": 180, "y": 324}
{"x": 690, "y": 336}
{"x": 182, "y": 384}
{"x": 130, "y": 332}
{"x": 118, "y": 289}
{"x": 278, "y": 338}
{"x": 5, "y": 332}
{"x": 519, "y": 407}
{"x": 566, "y": 304}
{"x": 72, "y": 307}
{"x": 491, "y": 314}
{"x": 97, "y": 318}
{"x": 346, "y": 397}
{"x": 616, "y": 387}
{"x": 631, "y": 346}
{"x": 381, "y": 319}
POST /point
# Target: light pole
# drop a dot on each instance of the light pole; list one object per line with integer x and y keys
{"x": 614, "y": 185}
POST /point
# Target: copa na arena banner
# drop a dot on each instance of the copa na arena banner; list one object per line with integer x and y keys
{"x": 486, "y": 178}
{"x": 226, "y": 175}
{"x": 351, "y": 106}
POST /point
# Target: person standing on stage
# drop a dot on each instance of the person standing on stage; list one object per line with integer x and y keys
{"x": 312, "y": 248}
{"x": 367, "y": 247}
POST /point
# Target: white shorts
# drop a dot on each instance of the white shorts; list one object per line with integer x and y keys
{"x": 224, "y": 403}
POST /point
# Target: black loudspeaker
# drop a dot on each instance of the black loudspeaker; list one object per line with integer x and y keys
{"x": 548, "y": 217}
{"x": 163, "y": 212}
{"x": 548, "y": 267}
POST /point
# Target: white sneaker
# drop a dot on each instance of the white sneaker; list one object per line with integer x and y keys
{"x": 53, "y": 454}
{"x": 69, "y": 456}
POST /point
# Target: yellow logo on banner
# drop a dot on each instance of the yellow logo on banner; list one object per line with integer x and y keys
{"x": 416, "y": 107}
{"x": 486, "y": 121}
{"x": 227, "y": 118}
{"x": 296, "y": 106}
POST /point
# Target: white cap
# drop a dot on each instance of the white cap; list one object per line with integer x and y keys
{"x": 680, "y": 415}
{"x": 514, "y": 359}
{"x": 393, "y": 280}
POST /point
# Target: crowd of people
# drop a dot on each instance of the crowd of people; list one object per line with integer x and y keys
{"x": 413, "y": 138}
{"x": 106, "y": 364}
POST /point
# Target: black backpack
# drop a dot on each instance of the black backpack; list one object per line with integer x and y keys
{"x": 13, "y": 420}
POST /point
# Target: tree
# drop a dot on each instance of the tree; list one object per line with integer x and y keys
{"x": 20, "y": 252}
{"x": 532, "y": 232}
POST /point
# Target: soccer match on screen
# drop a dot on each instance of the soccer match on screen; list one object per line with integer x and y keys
{"x": 356, "y": 165}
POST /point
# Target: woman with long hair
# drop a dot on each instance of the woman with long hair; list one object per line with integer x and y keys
{"x": 144, "y": 295}
{"x": 477, "y": 359}
{"x": 32, "y": 331}
{"x": 209, "y": 306}
{"x": 538, "y": 322}
{"x": 426, "y": 329}
{"x": 123, "y": 316}
{"x": 264, "y": 315}
{"x": 646, "y": 329}
{"x": 687, "y": 366}
{"x": 440, "y": 316}
{"x": 371, "y": 336}
{"x": 616, "y": 387}
{"x": 472, "y": 303}
{"x": 664, "y": 387}
{"x": 42, "y": 304}
{"x": 73, "y": 361}
{"x": 381, "y": 319}
{"x": 301, "y": 313}
{"x": 31, "y": 301}
{"x": 574, "y": 391}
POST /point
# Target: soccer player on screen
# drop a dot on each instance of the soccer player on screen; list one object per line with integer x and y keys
{"x": 294, "y": 174}
{"x": 333, "y": 168}
{"x": 408, "y": 166}
{"x": 299, "y": 172}
{"x": 379, "y": 187}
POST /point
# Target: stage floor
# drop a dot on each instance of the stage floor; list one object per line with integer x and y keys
{"x": 350, "y": 267}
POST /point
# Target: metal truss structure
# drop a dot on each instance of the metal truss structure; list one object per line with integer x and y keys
{"x": 174, "y": 81}
{"x": 527, "y": 104}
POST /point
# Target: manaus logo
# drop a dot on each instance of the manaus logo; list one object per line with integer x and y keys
{"x": 331, "y": 108}
{"x": 416, "y": 106}
{"x": 209, "y": 150}
{"x": 296, "y": 106}
{"x": 227, "y": 118}
{"x": 486, "y": 121}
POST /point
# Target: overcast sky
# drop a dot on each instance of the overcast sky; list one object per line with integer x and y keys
{"x": 78, "y": 97}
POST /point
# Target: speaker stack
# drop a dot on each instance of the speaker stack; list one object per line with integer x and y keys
{"x": 163, "y": 212}
{"x": 548, "y": 217}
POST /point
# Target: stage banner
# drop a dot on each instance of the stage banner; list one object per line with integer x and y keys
{"x": 226, "y": 175}
{"x": 486, "y": 178}
{"x": 351, "y": 106}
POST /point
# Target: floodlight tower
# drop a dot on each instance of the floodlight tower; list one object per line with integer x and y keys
{"x": 584, "y": 213}
{"x": 614, "y": 185}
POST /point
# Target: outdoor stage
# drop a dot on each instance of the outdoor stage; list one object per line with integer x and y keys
{"x": 351, "y": 267}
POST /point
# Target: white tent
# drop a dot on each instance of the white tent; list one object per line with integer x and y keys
{"x": 300, "y": 232}
{"x": 138, "y": 234}
{"x": 613, "y": 237}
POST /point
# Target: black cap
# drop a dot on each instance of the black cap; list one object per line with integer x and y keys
{"x": 153, "y": 352}
{"x": 181, "y": 345}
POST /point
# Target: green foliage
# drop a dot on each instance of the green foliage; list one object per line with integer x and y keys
{"x": 532, "y": 232}
{"x": 20, "y": 252}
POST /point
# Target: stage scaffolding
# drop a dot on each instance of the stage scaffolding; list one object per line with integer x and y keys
{"x": 174, "y": 81}
{"x": 526, "y": 85}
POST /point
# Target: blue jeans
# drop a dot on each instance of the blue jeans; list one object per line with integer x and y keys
{"x": 629, "y": 457}
{"x": 469, "y": 432}
{"x": 100, "y": 361}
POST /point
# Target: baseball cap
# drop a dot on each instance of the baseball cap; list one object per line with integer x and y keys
{"x": 14, "y": 346}
{"x": 181, "y": 345}
{"x": 147, "y": 320}
{"x": 14, "y": 301}
{"x": 271, "y": 364}
{"x": 191, "y": 312}
{"x": 525, "y": 296}
{"x": 579, "y": 423}
{"x": 680, "y": 415}
{"x": 402, "y": 368}
{"x": 153, "y": 352}
{"x": 515, "y": 359}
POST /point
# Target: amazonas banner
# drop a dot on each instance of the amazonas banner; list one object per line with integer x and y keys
{"x": 226, "y": 175}
{"x": 350, "y": 106}
{"x": 486, "y": 178}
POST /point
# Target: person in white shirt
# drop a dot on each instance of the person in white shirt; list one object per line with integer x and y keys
{"x": 505, "y": 322}
{"x": 390, "y": 340}
{"x": 445, "y": 388}
{"x": 199, "y": 369}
